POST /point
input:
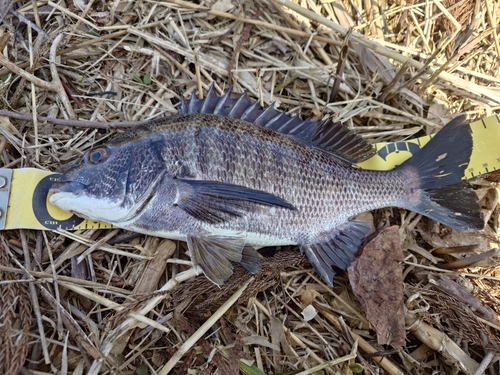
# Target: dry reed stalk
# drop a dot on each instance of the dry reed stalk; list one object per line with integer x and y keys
{"x": 15, "y": 318}
{"x": 122, "y": 65}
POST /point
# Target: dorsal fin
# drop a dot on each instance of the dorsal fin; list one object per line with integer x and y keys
{"x": 327, "y": 135}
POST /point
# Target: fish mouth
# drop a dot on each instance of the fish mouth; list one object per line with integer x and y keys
{"x": 73, "y": 187}
{"x": 63, "y": 194}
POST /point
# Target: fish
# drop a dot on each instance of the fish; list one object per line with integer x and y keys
{"x": 229, "y": 176}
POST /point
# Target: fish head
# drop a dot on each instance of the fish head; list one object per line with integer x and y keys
{"x": 112, "y": 182}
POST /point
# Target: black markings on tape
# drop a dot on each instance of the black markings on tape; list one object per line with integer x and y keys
{"x": 411, "y": 147}
{"x": 39, "y": 203}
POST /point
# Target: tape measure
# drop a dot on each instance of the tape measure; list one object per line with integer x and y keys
{"x": 24, "y": 192}
{"x": 485, "y": 156}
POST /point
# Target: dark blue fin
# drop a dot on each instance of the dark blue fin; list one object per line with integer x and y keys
{"x": 435, "y": 182}
{"x": 216, "y": 202}
{"x": 329, "y": 136}
{"x": 250, "y": 260}
{"x": 214, "y": 253}
{"x": 337, "y": 253}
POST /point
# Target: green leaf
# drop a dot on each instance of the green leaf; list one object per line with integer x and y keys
{"x": 250, "y": 370}
{"x": 137, "y": 77}
{"x": 147, "y": 79}
{"x": 356, "y": 368}
{"x": 120, "y": 359}
{"x": 5, "y": 77}
{"x": 142, "y": 369}
{"x": 92, "y": 33}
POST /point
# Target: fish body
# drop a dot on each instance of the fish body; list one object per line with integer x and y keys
{"x": 226, "y": 175}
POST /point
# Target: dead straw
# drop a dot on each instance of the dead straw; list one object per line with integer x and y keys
{"x": 101, "y": 306}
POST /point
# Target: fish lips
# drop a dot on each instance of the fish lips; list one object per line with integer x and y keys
{"x": 63, "y": 194}
{"x": 73, "y": 187}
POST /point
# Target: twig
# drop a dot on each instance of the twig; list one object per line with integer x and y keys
{"x": 55, "y": 85}
{"x": 493, "y": 26}
{"x": 82, "y": 341}
{"x": 376, "y": 47}
{"x": 264, "y": 24}
{"x": 131, "y": 322}
{"x": 415, "y": 118}
{"x": 484, "y": 363}
{"x": 451, "y": 288}
{"x": 199, "y": 81}
{"x": 387, "y": 90}
{"x": 71, "y": 49}
{"x": 75, "y": 123}
{"x": 34, "y": 296}
{"x": 447, "y": 14}
{"x": 440, "y": 342}
{"x": 112, "y": 305}
{"x": 41, "y": 276}
{"x": 30, "y": 24}
{"x": 243, "y": 38}
{"x": 204, "y": 328}
{"x": 385, "y": 363}
{"x": 22, "y": 73}
{"x": 33, "y": 96}
{"x": 339, "y": 74}
{"x": 56, "y": 80}
{"x": 66, "y": 11}
{"x": 346, "y": 358}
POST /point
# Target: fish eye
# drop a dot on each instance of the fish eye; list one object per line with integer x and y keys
{"x": 98, "y": 155}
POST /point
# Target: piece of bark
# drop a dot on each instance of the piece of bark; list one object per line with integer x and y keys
{"x": 155, "y": 268}
{"x": 376, "y": 278}
{"x": 148, "y": 283}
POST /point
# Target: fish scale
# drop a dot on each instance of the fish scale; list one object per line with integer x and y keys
{"x": 243, "y": 176}
{"x": 313, "y": 176}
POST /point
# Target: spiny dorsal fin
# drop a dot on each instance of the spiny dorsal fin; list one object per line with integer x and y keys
{"x": 329, "y": 136}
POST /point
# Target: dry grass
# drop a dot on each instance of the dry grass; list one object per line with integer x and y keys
{"x": 405, "y": 69}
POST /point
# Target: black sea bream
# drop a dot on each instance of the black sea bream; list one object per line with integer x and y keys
{"x": 227, "y": 175}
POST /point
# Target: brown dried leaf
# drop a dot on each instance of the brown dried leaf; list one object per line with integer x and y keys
{"x": 377, "y": 280}
{"x": 234, "y": 354}
{"x": 440, "y": 113}
{"x": 223, "y": 5}
{"x": 309, "y": 296}
{"x": 187, "y": 362}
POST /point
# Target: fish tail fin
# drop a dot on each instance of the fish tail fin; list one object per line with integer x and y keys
{"x": 434, "y": 179}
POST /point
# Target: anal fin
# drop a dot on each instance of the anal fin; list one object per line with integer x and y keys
{"x": 337, "y": 252}
{"x": 214, "y": 253}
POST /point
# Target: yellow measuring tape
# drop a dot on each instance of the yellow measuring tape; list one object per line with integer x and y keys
{"x": 24, "y": 202}
{"x": 485, "y": 156}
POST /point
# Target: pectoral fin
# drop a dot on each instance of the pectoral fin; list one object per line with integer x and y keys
{"x": 337, "y": 252}
{"x": 213, "y": 254}
{"x": 216, "y": 202}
